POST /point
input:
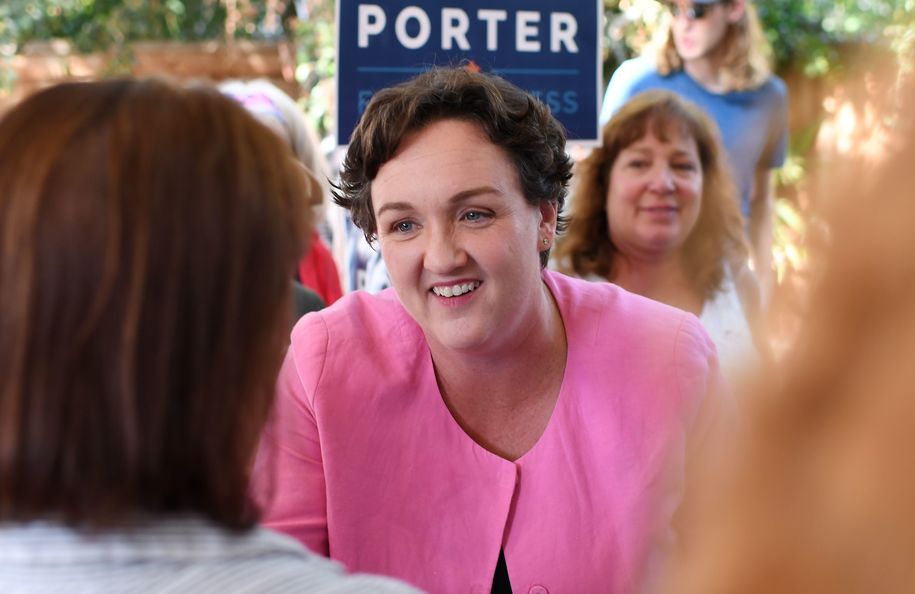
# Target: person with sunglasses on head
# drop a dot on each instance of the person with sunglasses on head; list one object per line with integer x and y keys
{"x": 714, "y": 53}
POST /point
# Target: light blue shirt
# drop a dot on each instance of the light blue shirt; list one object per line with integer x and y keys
{"x": 753, "y": 124}
{"x": 169, "y": 556}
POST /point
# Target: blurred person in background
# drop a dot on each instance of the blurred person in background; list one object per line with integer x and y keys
{"x": 714, "y": 53}
{"x": 317, "y": 270}
{"x": 149, "y": 233}
{"x": 653, "y": 211}
{"x": 486, "y": 425}
{"x": 818, "y": 496}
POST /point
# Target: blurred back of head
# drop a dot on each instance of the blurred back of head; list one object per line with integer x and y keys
{"x": 820, "y": 496}
{"x": 148, "y": 236}
{"x": 279, "y": 112}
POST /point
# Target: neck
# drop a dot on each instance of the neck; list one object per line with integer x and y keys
{"x": 517, "y": 363}
{"x": 504, "y": 399}
{"x": 707, "y": 72}
{"x": 661, "y": 278}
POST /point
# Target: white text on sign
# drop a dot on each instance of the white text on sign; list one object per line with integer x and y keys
{"x": 455, "y": 24}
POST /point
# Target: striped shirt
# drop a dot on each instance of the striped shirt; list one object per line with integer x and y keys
{"x": 169, "y": 556}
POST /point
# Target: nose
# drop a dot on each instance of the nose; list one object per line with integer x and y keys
{"x": 444, "y": 252}
{"x": 662, "y": 180}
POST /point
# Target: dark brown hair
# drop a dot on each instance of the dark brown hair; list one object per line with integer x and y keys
{"x": 149, "y": 237}
{"x": 511, "y": 118}
{"x": 716, "y": 241}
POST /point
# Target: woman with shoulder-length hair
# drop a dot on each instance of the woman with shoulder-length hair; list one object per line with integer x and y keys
{"x": 714, "y": 53}
{"x": 149, "y": 233}
{"x": 653, "y": 211}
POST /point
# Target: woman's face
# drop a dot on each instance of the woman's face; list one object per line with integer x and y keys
{"x": 654, "y": 195}
{"x": 460, "y": 242}
{"x": 697, "y": 38}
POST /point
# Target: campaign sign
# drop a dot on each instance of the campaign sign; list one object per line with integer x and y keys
{"x": 550, "y": 48}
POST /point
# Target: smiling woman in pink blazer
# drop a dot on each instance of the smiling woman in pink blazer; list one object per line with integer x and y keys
{"x": 486, "y": 424}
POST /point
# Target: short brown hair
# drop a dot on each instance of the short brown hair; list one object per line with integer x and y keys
{"x": 510, "y": 117}
{"x": 717, "y": 239}
{"x": 149, "y": 237}
{"x": 746, "y": 54}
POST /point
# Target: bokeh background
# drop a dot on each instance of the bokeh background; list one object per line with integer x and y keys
{"x": 841, "y": 60}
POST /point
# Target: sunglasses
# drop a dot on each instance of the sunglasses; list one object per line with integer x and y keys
{"x": 693, "y": 12}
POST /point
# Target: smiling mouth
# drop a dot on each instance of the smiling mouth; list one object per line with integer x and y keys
{"x": 456, "y": 290}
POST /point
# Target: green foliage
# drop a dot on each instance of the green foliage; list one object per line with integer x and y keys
{"x": 316, "y": 58}
{"x": 111, "y": 25}
{"x": 807, "y": 33}
{"x": 628, "y": 27}
{"x": 94, "y": 25}
{"x": 803, "y": 33}
{"x": 788, "y": 247}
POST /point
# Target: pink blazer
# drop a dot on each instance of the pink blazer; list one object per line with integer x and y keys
{"x": 363, "y": 462}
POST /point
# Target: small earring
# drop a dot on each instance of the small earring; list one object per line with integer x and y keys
{"x": 546, "y": 241}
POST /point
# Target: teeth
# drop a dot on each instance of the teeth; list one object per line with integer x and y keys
{"x": 455, "y": 290}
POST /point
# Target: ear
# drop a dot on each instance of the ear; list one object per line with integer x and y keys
{"x": 547, "y": 228}
{"x": 736, "y": 9}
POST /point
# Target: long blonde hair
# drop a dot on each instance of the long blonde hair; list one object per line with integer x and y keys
{"x": 746, "y": 55}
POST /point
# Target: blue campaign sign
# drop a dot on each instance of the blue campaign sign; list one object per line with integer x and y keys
{"x": 550, "y": 48}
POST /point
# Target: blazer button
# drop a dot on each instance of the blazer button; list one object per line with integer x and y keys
{"x": 538, "y": 589}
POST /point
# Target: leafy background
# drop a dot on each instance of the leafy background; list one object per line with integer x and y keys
{"x": 816, "y": 44}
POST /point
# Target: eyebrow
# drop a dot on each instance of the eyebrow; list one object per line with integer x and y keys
{"x": 645, "y": 150}
{"x": 685, "y": 153}
{"x": 461, "y": 196}
{"x": 636, "y": 149}
{"x": 393, "y": 206}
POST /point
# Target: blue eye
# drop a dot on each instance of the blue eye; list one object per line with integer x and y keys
{"x": 403, "y": 226}
{"x": 476, "y": 216}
